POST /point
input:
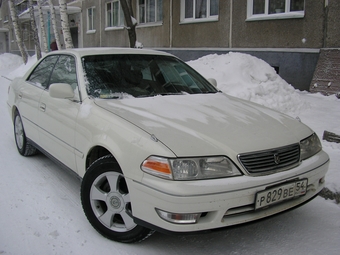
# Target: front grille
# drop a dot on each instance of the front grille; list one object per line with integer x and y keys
{"x": 271, "y": 160}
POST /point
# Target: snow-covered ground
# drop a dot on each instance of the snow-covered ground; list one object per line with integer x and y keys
{"x": 40, "y": 210}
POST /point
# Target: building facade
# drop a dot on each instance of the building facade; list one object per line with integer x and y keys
{"x": 288, "y": 34}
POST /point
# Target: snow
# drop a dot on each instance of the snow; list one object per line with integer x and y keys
{"x": 250, "y": 78}
{"x": 41, "y": 211}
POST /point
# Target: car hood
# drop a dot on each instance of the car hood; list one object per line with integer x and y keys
{"x": 208, "y": 124}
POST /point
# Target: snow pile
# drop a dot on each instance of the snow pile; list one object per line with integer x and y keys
{"x": 247, "y": 77}
{"x": 21, "y": 69}
{"x": 9, "y": 61}
{"x": 14, "y": 65}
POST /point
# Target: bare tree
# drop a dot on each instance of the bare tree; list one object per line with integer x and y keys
{"x": 17, "y": 31}
{"x": 65, "y": 24}
{"x": 35, "y": 30}
{"x": 54, "y": 24}
{"x": 42, "y": 26}
{"x": 131, "y": 22}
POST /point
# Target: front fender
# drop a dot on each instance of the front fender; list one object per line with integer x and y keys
{"x": 129, "y": 144}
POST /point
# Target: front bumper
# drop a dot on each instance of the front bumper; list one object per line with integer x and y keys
{"x": 222, "y": 202}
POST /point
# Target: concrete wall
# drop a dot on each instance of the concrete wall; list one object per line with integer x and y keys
{"x": 102, "y": 37}
{"x": 332, "y": 25}
{"x": 279, "y": 33}
{"x": 157, "y": 35}
{"x": 205, "y": 34}
{"x": 317, "y": 29}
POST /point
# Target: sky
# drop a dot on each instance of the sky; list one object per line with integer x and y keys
{"x": 40, "y": 206}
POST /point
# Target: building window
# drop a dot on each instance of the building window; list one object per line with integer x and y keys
{"x": 150, "y": 11}
{"x": 199, "y": 10}
{"x": 90, "y": 19}
{"x": 275, "y": 9}
{"x": 114, "y": 14}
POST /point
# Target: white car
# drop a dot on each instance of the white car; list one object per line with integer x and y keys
{"x": 158, "y": 147}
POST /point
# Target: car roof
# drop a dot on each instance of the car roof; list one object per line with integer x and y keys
{"x": 80, "y": 52}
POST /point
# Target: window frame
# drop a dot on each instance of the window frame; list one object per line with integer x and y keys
{"x": 157, "y": 14}
{"x": 287, "y": 14}
{"x": 208, "y": 18}
{"x": 90, "y": 20}
{"x": 120, "y": 12}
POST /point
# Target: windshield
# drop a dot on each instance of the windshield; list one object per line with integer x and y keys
{"x": 117, "y": 76}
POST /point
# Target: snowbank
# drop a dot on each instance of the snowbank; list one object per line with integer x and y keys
{"x": 247, "y": 77}
{"x": 9, "y": 61}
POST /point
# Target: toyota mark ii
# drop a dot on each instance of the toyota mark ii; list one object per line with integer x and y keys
{"x": 159, "y": 147}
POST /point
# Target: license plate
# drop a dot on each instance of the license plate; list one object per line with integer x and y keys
{"x": 280, "y": 193}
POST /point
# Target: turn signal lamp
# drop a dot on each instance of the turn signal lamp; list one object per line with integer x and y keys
{"x": 157, "y": 166}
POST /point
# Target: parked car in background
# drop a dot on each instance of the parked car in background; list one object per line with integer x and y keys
{"x": 159, "y": 147}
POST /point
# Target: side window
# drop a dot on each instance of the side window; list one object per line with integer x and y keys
{"x": 41, "y": 74}
{"x": 65, "y": 72}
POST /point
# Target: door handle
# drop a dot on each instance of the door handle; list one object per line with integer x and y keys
{"x": 42, "y": 107}
{"x": 20, "y": 96}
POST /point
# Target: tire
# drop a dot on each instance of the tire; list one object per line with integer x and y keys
{"x": 23, "y": 146}
{"x": 106, "y": 202}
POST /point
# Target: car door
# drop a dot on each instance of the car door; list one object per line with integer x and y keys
{"x": 29, "y": 95}
{"x": 57, "y": 117}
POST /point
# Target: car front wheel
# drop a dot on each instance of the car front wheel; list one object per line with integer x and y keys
{"x": 23, "y": 146}
{"x": 107, "y": 204}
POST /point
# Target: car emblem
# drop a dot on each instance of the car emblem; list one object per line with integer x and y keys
{"x": 277, "y": 159}
{"x": 115, "y": 202}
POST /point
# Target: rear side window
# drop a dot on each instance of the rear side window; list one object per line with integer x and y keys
{"x": 41, "y": 74}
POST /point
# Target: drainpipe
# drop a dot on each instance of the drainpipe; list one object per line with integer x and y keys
{"x": 325, "y": 26}
{"x": 170, "y": 42}
{"x": 231, "y": 25}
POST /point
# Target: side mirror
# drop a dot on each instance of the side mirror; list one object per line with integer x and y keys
{"x": 61, "y": 90}
{"x": 213, "y": 82}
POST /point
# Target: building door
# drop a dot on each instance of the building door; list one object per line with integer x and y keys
{"x": 74, "y": 35}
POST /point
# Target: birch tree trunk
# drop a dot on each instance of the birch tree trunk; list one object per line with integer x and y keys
{"x": 54, "y": 24}
{"x": 35, "y": 30}
{"x": 65, "y": 24}
{"x": 17, "y": 31}
{"x": 42, "y": 26}
{"x": 130, "y": 21}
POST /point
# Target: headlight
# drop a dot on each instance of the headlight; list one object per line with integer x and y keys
{"x": 310, "y": 146}
{"x": 190, "y": 168}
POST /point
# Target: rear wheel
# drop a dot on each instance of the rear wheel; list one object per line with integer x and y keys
{"x": 23, "y": 146}
{"x": 107, "y": 204}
